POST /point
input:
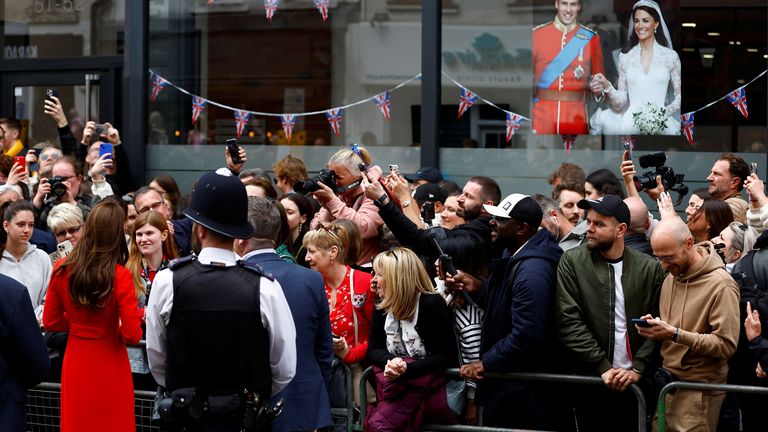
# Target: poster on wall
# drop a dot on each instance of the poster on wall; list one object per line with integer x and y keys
{"x": 614, "y": 72}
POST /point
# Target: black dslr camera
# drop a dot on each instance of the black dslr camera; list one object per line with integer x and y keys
{"x": 326, "y": 176}
{"x": 672, "y": 182}
{"x": 57, "y": 185}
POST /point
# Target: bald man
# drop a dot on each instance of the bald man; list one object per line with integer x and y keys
{"x": 698, "y": 323}
{"x": 635, "y": 237}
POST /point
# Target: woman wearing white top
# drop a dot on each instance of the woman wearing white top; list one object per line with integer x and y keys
{"x": 648, "y": 66}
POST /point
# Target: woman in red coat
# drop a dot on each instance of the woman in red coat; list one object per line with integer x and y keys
{"x": 91, "y": 296}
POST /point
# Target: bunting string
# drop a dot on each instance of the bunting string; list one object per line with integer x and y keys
{"x": 467, "y": 98}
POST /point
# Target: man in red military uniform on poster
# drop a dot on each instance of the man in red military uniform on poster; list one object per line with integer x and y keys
{"x": 565, "y": 57}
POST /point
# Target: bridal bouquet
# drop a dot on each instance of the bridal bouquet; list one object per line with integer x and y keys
{"x": 651, "y": 120}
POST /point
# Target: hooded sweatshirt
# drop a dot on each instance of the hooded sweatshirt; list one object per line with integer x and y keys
{"x": 704, "y": 305}
{"x": 33, "y": 271}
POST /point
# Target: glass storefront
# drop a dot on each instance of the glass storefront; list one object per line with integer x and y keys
{"x": 231, "y": 55}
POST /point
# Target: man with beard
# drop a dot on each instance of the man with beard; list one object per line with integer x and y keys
{"x": 518, "y": 332}
{"x": 600, "y": 288}
{"x": 478, "y": 191}
{"x": 698, "y": 325}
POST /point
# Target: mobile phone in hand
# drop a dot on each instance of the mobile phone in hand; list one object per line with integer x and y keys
{"x": 51, "y": 92}
{"x": 642, "y": 322}
{"x": 64, "y": 248}
{"x": 105, "y": 148}
{"x": 234, "y": 150}
{"x": 335, "y": 336}
{"x": 21, "y": 161}
{"x": 394, "y": 169}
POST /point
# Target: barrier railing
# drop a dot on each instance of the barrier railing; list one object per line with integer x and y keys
{"x": 348, "y": 412}
{"x": 541, "y": 377}
{"x": 44, "y": 408}
{"x": 661, "y": 409}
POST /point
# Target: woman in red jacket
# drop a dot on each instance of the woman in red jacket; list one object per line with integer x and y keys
{"x": 349, "y": 296}
{"x": 91, "y": 296}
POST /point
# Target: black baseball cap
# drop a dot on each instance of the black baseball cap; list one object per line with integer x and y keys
{"x": 429, "y": 192}
{"x": 427, "y": 173}
{"x": 609, "y": 205}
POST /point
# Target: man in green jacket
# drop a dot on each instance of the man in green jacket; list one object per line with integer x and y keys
{"x": 600, "y": 288}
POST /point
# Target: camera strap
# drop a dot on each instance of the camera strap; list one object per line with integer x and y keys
{"x": 349, "y": 187}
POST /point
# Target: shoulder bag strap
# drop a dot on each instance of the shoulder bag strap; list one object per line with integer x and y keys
{"x": 351, "y": 301}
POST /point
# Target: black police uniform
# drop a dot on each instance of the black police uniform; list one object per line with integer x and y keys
{"x": 218, "y": 348}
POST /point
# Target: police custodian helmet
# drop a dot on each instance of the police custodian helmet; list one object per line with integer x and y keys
{"x": 220, "y": 204}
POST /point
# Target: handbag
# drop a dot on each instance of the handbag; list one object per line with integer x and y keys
{"x": 340, "y": 373}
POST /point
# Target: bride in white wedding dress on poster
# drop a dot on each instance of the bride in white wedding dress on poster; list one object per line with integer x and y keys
{"x": 649, "y": 73}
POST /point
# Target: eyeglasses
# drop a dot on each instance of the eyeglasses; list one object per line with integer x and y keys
{"x": 70, "y": 231}
{"x": 152, "y": 207}
{"x": 54, "y": 156}
{"x": 330, "y": 230}
{"x": 669, "y": 258}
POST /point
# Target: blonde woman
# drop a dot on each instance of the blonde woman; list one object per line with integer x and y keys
{"x": 349, "y": 295}
{"x": 411, "y": 342}
{"x": 349, "y": 200}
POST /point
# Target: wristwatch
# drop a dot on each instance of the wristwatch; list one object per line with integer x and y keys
{"x": 381, "y": 201}
{"x": 406, "y": 203}
{"x": 677, "y": 333}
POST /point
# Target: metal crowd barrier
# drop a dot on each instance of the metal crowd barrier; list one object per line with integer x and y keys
{"x": 661, "y": 409}
{"x": 542, "y": 377}
{"x": 44, "y": 406}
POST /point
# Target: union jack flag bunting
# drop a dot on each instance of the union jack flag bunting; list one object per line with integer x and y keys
{"x": 289, "y": 122}
{"x": 198, "y": 105}
{"x": 270, "y": 7}
{"x": 514, "y": 121}
{"x": 241, "y": 120}
{"x": 382, "y": 102}
{"x": 334, "y": 119}
{"x": 738, "y": 98}
{"x": 686, "y": 121}
{"x": 322, "y": 7}
{"x": 466, "y": 100}
{"x": 158, "y": 84}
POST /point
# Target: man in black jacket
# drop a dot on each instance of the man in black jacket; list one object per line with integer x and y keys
{"x": 518, "y": 330}
{"x": 477, "y": 192}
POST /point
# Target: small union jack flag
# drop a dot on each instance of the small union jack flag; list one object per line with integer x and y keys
{"x": 322, "y": 7}
{"x": 158, "y": 84}
{"x": 466, "y": 100}
{"x": 270, "y": 7}
{"x": 568, "y": 141}
{"x": 382, "y": 102}
{"x": 334, "y": 119}
{"x": 738, "y": 98}
{"x": 686, "y": 121}
{"x": 514, "y": 121}
{"x": 198, "y": 105}
{"x": 241, "y": 120}
{"x": 289, "y": 122}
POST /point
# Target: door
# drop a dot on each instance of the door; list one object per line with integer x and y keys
{"x": 85, "y": 95}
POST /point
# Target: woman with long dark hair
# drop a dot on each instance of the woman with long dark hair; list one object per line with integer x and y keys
{"x": 299, "y": 212}
{"x": 92, "y": 297}
{"x": 648, "y": 67}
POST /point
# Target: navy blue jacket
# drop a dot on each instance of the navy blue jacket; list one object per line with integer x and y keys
{"x": 518, "y": 330}
{"x": 182, "y": 235}
{"x": 23, "y": 356}
{"x": 307, "y": 405}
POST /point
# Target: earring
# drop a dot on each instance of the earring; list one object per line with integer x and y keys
{"x": 301, "y": 226}
{"x": 654, "y": 30}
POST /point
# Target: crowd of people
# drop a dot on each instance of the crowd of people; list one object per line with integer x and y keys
{"x": 251, "y": 296}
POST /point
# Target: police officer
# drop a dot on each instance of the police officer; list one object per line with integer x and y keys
{"x": 220, "y": 335}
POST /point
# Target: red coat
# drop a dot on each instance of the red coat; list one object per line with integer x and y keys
{"x": 554, "y": 117}
{"x": 96, "y": 384}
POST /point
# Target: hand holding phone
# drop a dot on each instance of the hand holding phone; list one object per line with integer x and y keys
{"x": 641, "y": 322}
{"x": 21, "y": 161}
{"x": 105, "y": 149}
{"x": 64, "y": 248}
{"x": 234, "y": 150}
{"x": 394, "y": 169}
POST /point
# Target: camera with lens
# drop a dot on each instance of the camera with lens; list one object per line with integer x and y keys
{"x": 719, "y": 250}
{"x": 57, "y": 185}
{"x": 326, "y": 177}
{"x": 672, "y": 182}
